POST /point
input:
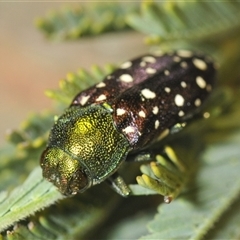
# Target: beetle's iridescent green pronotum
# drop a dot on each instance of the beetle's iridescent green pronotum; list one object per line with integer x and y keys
{"x": 126, "y": 112}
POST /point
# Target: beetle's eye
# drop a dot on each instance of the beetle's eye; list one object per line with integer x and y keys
{"x": 78, "y": 182}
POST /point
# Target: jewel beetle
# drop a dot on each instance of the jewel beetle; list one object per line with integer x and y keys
{"x": 134, "y": 106}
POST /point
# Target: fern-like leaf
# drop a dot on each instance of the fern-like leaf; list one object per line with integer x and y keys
{"x": 216, "y": 188}
{"x": 32, "y": 195}
{"x": 85, "y": 20}
{"x": 195, "y": 21}
{"x": 70, "y": 218}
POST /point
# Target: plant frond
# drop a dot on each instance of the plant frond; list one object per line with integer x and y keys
{"x": 194, "y": 21}
{"x": 85, "y": 20}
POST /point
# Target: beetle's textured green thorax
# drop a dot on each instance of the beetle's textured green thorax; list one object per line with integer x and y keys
{"x": 90, "y": 139}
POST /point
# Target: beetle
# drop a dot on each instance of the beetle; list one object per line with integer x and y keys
{"x": 133, "y": 107}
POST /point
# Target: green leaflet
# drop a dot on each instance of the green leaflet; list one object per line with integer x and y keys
{"x": 217, "y": 188}
{"x": 20, "y": 156}
{"x": 194, "y": 21}
{"x": 85, "y": 20}
{"x": 68, "y": 218}
{"x": 162, "y": 21}
{"x": 34, "y": 194}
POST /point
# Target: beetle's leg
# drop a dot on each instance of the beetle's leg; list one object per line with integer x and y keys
{"x": 118, "y": 184}
{"x": 165, "y": 176}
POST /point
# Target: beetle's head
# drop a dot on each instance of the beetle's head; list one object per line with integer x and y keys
{"x": 64, "y": 171}
{"x": 84, "y": 148}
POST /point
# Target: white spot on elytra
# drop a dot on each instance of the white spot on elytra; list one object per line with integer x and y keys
{"x": 151, "y": 70}
{"x": 142, "y": 114}
{"x": 120, "y": 111}
{"x": 167, "y": 89}
{"x": 183, "y": 64}
{"x": 184, "y": 53}
{"x": 109, "y": 77}
{"x": 200, "y": 64}
{"x": 201, "y": 82}
{"x": 126, "y": 78}
{"x": 149, "y": 59}
{"x": 101, "y": 98}
{"x": 84, "y": 100}
{"x": 129, "y": 129}
{"x": 179, "y": 100}
{"x": 206, "y": 115}
{"x": 148, "y": 94}
{"x": 100, "y": 85}
{"x": 166, "y": 72}
{"x": 156, "y": 125}
{"x": 183, "y": 84}
{"x": 126, "y": 65}
{"x": 143, "y": 64}
{"x": 197, "y": 102}
{"x": 176, "y": 59}
{"x": 181, "y": 113}
{"x": 155, "y": 110}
